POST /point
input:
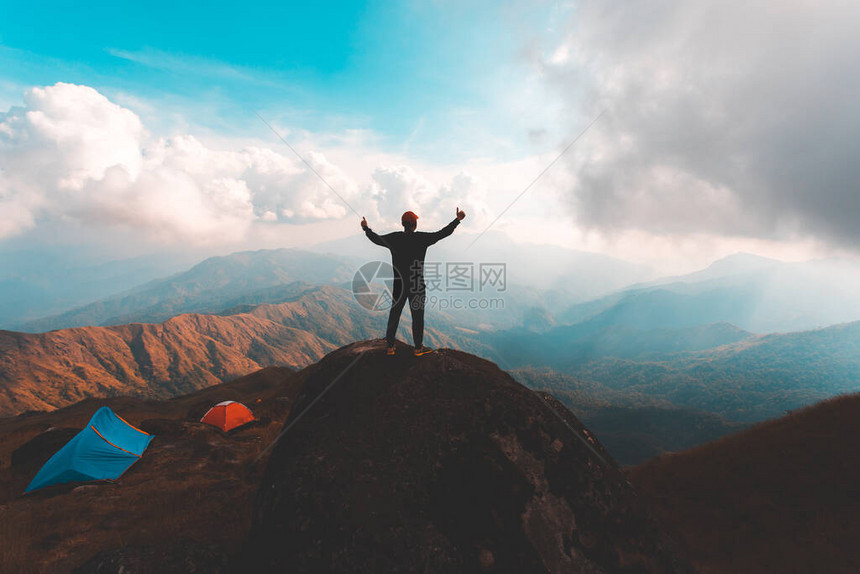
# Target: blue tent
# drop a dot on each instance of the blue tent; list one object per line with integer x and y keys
{"x": 102, "y": 451}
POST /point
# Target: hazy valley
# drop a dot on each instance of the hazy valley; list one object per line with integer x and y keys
{"x": 653, "y": 367}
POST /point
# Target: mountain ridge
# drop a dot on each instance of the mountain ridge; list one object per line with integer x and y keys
{"x": 203, "y": 288}
{"x": 752, "y": 379}
{"x": 757, "y": 294}
{"x": 186, "y": 352}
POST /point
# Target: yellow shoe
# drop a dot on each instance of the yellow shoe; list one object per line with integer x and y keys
{"x": 422, "y": 350}
{"x": 390, "y": 351}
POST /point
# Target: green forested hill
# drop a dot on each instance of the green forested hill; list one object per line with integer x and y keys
{"x": 752, "y": 380}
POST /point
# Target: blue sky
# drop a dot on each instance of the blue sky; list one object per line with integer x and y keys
{"x": 396, "y": 68}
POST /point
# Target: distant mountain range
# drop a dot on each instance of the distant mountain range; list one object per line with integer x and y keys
{"x": 751, "y": 380}
{"x": 578, "y": 275}
{"x": 569, "y": 346}
{"x": 535, "y": 276}
{"x": 36, "y": 284}
{"x": 754, "y": 293}
{"x": 546, "y": 286}
{"x": 209, "y": 287}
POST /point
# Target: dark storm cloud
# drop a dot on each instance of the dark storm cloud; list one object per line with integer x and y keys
{"x": 739, "y": 118}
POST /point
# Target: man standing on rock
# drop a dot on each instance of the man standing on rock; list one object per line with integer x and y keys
{"x": 408, "y": 248}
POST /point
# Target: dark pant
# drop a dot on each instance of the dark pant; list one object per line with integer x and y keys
{"x": 417, "y": 298}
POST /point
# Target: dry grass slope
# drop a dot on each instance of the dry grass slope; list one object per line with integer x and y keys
{"x": 779, "y": 497}
{"x": 194, "y": 485}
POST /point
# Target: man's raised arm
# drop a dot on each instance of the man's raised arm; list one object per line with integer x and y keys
{"x": 447, "y": 230}
{"x": 372, "y": 235}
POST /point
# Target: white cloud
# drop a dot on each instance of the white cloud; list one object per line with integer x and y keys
{"x": 76, "y": 132}
{"x": 398, "y": 188}
{"x": 70, "y": 154}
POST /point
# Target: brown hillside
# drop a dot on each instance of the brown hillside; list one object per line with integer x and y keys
{"x": 191, "y": 492}
{"x": 188, "y": 352}
{"x": 780, "y": 497}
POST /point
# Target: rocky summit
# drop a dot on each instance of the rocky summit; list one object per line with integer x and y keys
{"x": 442, "y": 463}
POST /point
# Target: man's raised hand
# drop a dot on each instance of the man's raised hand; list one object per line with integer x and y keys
{"x": 460, "y": 214}
{"x": 363, "y": 223}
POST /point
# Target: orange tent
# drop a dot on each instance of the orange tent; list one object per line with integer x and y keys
{"x": 228, "y": 415}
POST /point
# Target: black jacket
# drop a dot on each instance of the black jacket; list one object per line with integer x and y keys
{"x": 408, "y": 249}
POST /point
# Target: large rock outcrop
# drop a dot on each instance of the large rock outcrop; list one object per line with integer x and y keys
{"x": 442, "y": 463}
